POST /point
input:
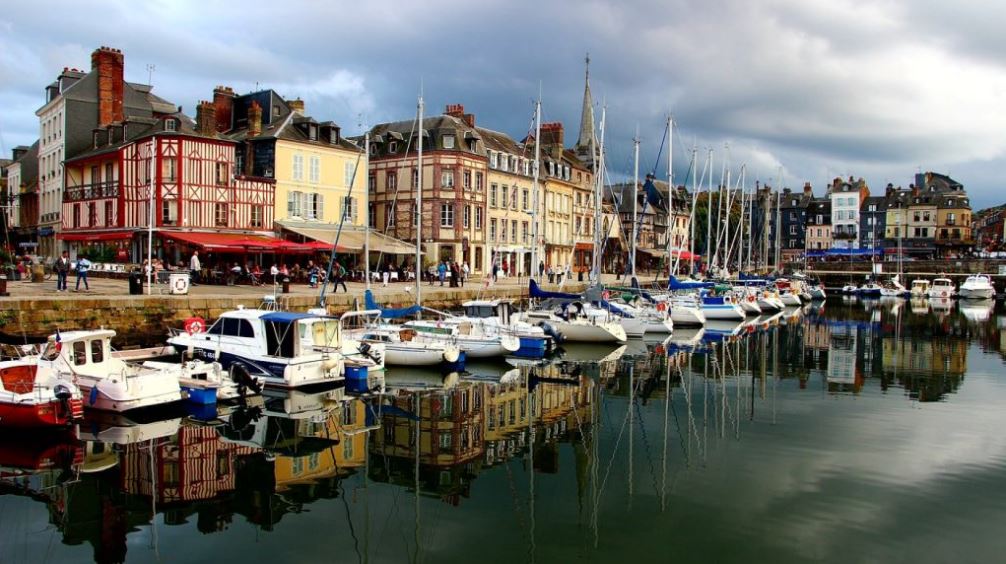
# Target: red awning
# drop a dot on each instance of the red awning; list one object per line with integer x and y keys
{"x": 233, "y": 242}
{"x": 91, "y": 237}
{"x": 585, "y": 246}
{"x": 685, "y": 255}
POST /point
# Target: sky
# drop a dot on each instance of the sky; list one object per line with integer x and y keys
{"x": 805, "y": 90}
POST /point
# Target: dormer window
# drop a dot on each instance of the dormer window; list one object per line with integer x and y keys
{"x": 393, "y": 147}
{"x": 275, "y": 110}
{"x": 96, "y": 137}
{"x": 373, "y": 149}
{"x": 333, "y": 136}
{"x": 312, "y": 132}
{"x": 170, "y": 125}
{"x": 448, "y": 141}
{"x": 493, "y": 159}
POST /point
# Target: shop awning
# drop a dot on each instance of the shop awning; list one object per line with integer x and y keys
{"x": 351, "y": 239}
{"x": 231, "y": 242}
{"x": 651, "y": 252}
{"x": 585, "y": 246}
{"x": 685, "y": 255}
{"x": 94, "y": 237}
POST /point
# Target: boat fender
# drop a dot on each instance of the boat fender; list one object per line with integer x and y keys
{"x": 329, "y": 364}
{"x": 93, "y": 397}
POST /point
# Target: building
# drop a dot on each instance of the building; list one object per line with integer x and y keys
{"x": 565, "y": 181}
{"x": 510, "y": 200}
{"x": 846, "y": 201}
{"x": 896, "y": 219}
{"x": 819, "y": 226}
{"x": 953, "y": 215}
{"x": 454, "y": 174}
{"x": 22, "y": 180}
{"x": 987, "y": 228}
{"x": 921, "y": 223}
{"x": 873, "y": 223}
{"x": 793, "y": 218}
{"x": 200, "y": 200}
{"x": 75, "y": 105}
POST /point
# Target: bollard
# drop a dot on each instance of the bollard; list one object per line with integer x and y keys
{"x": 3, "y": 285}
{"x": 286, "y": 284}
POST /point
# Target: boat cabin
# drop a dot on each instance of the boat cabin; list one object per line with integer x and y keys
{"x": 84, "y": 353}
{"x": 272, "y": 333}
{"x": 489, "y": 309}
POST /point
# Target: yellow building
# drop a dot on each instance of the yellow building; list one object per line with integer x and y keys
{"x": 345, "y": 431}
{"x": 510, "y": 201}
{"x": 564, "y": 179}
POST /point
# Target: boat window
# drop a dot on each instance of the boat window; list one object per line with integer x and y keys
{"x": 80, "y": 353}
{"x": 217, "y": 328}
{"x": 97, "y": 350}
{"x": 480, "y": 311}
{"x": 232, "y": 327}
{"x": 280, "y": 339}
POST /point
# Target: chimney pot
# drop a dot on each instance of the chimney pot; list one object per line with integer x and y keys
{"x": 223, "y": 102}
{"x": 296, "y": 105}
{"x": 109, "y": 65}
{"x": 455, "y": 110}
{"x": 206, "y": 118}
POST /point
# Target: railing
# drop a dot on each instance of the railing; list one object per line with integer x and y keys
{"x": 91, "y": 191}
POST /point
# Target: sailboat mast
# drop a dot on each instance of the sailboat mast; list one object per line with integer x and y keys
{"x": 670, "y": 196}
{"x": 418, "y": 215}
{"x": 709, "y": 213}
{"x": 599, "y": 199}
{"x": 635, "y": 202}
{"x": 366, "y": 231}
{"x": 691, "y": 214}
{"x": 534, "y": 211}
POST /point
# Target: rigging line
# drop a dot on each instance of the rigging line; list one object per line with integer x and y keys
{"x": 394, "y": 201}
{"x": 660, "y": 151}
{"x": 646, "y": 445}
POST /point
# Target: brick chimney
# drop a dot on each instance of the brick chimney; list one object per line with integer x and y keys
{"x": 223, "y": 102}
{"x": 109, "y": 64}
{"x": 296, "y": 105}
{"x": 455, "y": 110}
{"x": 551, "y": 134}
{"x": 469, "y": 119}
{"x": 808, "y": 189}
{"x": 206, "y": 118}
{"x": 254, "y": 119}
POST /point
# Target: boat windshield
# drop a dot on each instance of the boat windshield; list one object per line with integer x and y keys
{"x": 480, "y": 311}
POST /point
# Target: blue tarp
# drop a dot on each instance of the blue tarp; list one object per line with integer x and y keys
{"x": 286, "y": 316}
{"x": 675, "y": 284}
{"x": 844, "y": 253}
{"x": 536, "y": 292}
{"x": 389, "y": 313}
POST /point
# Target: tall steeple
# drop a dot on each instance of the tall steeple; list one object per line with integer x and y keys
{"x": 585, "y": 148}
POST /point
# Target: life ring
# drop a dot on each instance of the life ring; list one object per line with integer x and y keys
{"x": 195, "y": 325}
{"x": 661, "y": 306}
{"x": 605, "y": 295}
{"x": 944, "y": 294}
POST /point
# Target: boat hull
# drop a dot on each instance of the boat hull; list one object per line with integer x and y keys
{"x": 750, "y": 307}
{"x": 532, "y": 347}
{"x": 977, "y": 293}
{"x": 687, "y": 316}
{"x": 723, "y": 312}
{"x": 400, "y": 355}
{"x": 590, "y": 333}
{"x": 37, "y": 415}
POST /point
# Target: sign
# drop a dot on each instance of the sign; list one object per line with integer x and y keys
{"x": 46, "y": 231}
{"x": 195, "y": 325}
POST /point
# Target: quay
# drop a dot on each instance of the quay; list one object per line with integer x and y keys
{"x": 35, "y": 310}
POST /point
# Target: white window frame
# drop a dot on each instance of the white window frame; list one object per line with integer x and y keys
{"x": 298, "y": 167}
{"x": 447, "y": 215}
{"x": 314, "y": 170}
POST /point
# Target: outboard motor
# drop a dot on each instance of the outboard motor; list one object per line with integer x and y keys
{"x": 551, "y": 331}
{"x": 244, "y": 379}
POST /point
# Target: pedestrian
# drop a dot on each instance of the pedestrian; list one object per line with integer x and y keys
{"x": 455, "y": 274}
{"x": 496, "y": 271}
{"x": 195, "y": 268}
{"x": 465, "y": 271}
{"x": 82, "y": 267}
{"x": 312, "y": 274}
{"x": 442, "y": 272}
{"x": 551, "y": 274}
{"x": 274, "y": 272}
{"x": 541, "y": 269}
{"x": 339, "y": 278}
{"x": 62, "y": 267}
{"x": 386, "y": 274}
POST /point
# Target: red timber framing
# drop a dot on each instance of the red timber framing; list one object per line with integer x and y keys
{"x": 195, "y": 189}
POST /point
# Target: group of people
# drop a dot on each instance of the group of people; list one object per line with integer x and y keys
{"x": 451, "y": 272}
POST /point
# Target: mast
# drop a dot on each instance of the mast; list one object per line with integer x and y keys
{"x": 418, "y": 216}
{"x": 778, "y": 223}
{"x": 691, "y": 214}
{"x": 670, "y": 197}
{"x": 599, "y": 199}
{"x": 709, "y": 214}
{"x": 535, "y": 233}
{"x": 750, "y": 231}
{"x": 366, "y": 231}
{"x": 635, "y": 202}
{"x": 150, "y": 218}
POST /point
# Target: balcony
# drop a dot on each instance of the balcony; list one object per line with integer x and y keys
{"x": 843, "y": 234}
{"x": 93, "y": 191}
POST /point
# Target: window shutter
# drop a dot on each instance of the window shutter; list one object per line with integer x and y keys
{"x": 320, "y": 207}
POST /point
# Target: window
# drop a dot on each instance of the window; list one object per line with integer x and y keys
{"x": 478, "y": 181}
{"x": 513, "y": 198}
{"x": 393, "y": 147}
{"x": 513, "y": 230}
{"x": 492, "y": 195}
{"x": 478, "y": 218}
{"x": 493, "y": 159}
{"x": 925, "y": 216}
{"x": 349, "y": 208}
{"x": 448, "y": 141}
{"x": 372, "y": 215}
{"x": 315, "y": 206}
{"x": 467, "y": 218}
{"x": 918, "y": 216}
{"x": 169, "y": 212}
{"x": 80, "y": 353}
{"x": 526, "y": 199}
{"x": 372, "y": 184}
{"x": 415, "y": 178}
{"x": 466, "y": 179}
{"x": 492, "y": 229}
{"x": 447, "y": 178}
{"x": 446, "y": 215}
{"x": 503, "y": 160}
{"x": 391, "y": 180}
{"x": 95, "y": 175}
{"x": 169, "y": 170}
{"x": 257, "y": 213}
{"x": 505, "y": 197}
{"x": 577, "y": 226}
{"x": 97, "y": 350}
{"x": 524, "y": 231}
{"x": 348, "y": 173}
{"x": 503, "y": 231}
{"x": 293, "y": 204}
{"x": 222, "y": 174}
{"x": 314, "y": 170}
{"x": 169, "y": 125}
{"x": 298, "y": 167}
{"x": 373, "y": 148}
{"x": 108, "y": 214}
{"x": 220, "y": 214}
{"x": 92, "y": 214}
{"x": 951, "y": 218}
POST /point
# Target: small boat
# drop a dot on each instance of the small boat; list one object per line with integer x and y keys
{"x": 789, "y": 292}
{"x": 579, "y": 324}
{"x": 722, "y": 307}
{"x": 535, "y": 342}
{"x": 476, "y": 340}
{"x": 206, "y": 383}
{"x": 37, "y": 398}
{"x": 977, "y": 287}
{"x": 893, "y": 288}
{"x": 404, "y": 346}
{"x": 640, "y": 320}
{"x": 920, "y": 288}
{"x": 942, "y": 288}
{"x": 686, "y": 311}
{"x": 870, "y": 290}
{"x": 850, "y": 290}
{"x": 106, "y": 382}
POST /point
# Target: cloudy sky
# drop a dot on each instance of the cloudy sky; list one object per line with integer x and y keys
{"x": 813, "y": 88}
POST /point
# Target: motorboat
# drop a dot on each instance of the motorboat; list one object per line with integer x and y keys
{"x": 942, "y": 288}
{"x": 207, "y": 382}
{"x": 850, "y": 290}
{"x": 476, "y": 340}
{"x": 268, "y": 344}
{"x": 870, "y": 290}
{"x": 977, "y": 287}
{"x": 33, "y": 397}
{"x": 920, "y": 288}
{"x": 107, "y": 382}
{"x": 535, "y": 341}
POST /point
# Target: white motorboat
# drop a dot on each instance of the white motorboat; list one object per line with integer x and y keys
{"x": 406, "y": 347}
{"x": 942, "y": 288}
{"x": 107, "y": 382}
{"x": 722, "y": 307}
{"x": 977, "y": 287}
{"x": 920, "y": 288}
{"x": 893, "y": 288}
{"x": 579, "y": 324}
{"x": 328, "y": 334}
{"x": 535, "y": 342}
{"x": 476, "y": 340}
{"x": 206, "y": 382}
{"x": 268, "y": 344}
{"x": 850, "y": 290}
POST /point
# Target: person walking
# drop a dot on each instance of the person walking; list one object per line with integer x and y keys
{"x": 83, "y": 265}
{"x": 442, "y": 272}
{"x": 194, "y": 268}
{"x": 339, "y": 278}
{"x": 496, "y": 271}
{"x": 62, "y": 267}
{"x": 455, "y": 274}
{"x": 465, "y": 272}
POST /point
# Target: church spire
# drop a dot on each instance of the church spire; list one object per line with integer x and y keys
{"x": 585, "y": 147}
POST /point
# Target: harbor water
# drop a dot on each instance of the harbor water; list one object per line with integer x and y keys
{"x": 847, "y": 431}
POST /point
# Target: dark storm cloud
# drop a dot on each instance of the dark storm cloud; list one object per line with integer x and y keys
{"x": 817, "y": 88}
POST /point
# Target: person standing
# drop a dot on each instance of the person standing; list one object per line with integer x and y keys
{"x": 83, "y": 265}
{"x": 455, "y": 274}
{"x": 442, "y": 272}
{"x": 62, "y": 267}
{"x": 194, "y": 268}
{"x": 465, "y": 271}
{"x": 339, "y": 278}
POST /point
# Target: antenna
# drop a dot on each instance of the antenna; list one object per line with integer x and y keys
{"x": 150, "y": 73}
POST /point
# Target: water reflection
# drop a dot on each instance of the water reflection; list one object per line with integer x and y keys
{"x": 532, "y": 461}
